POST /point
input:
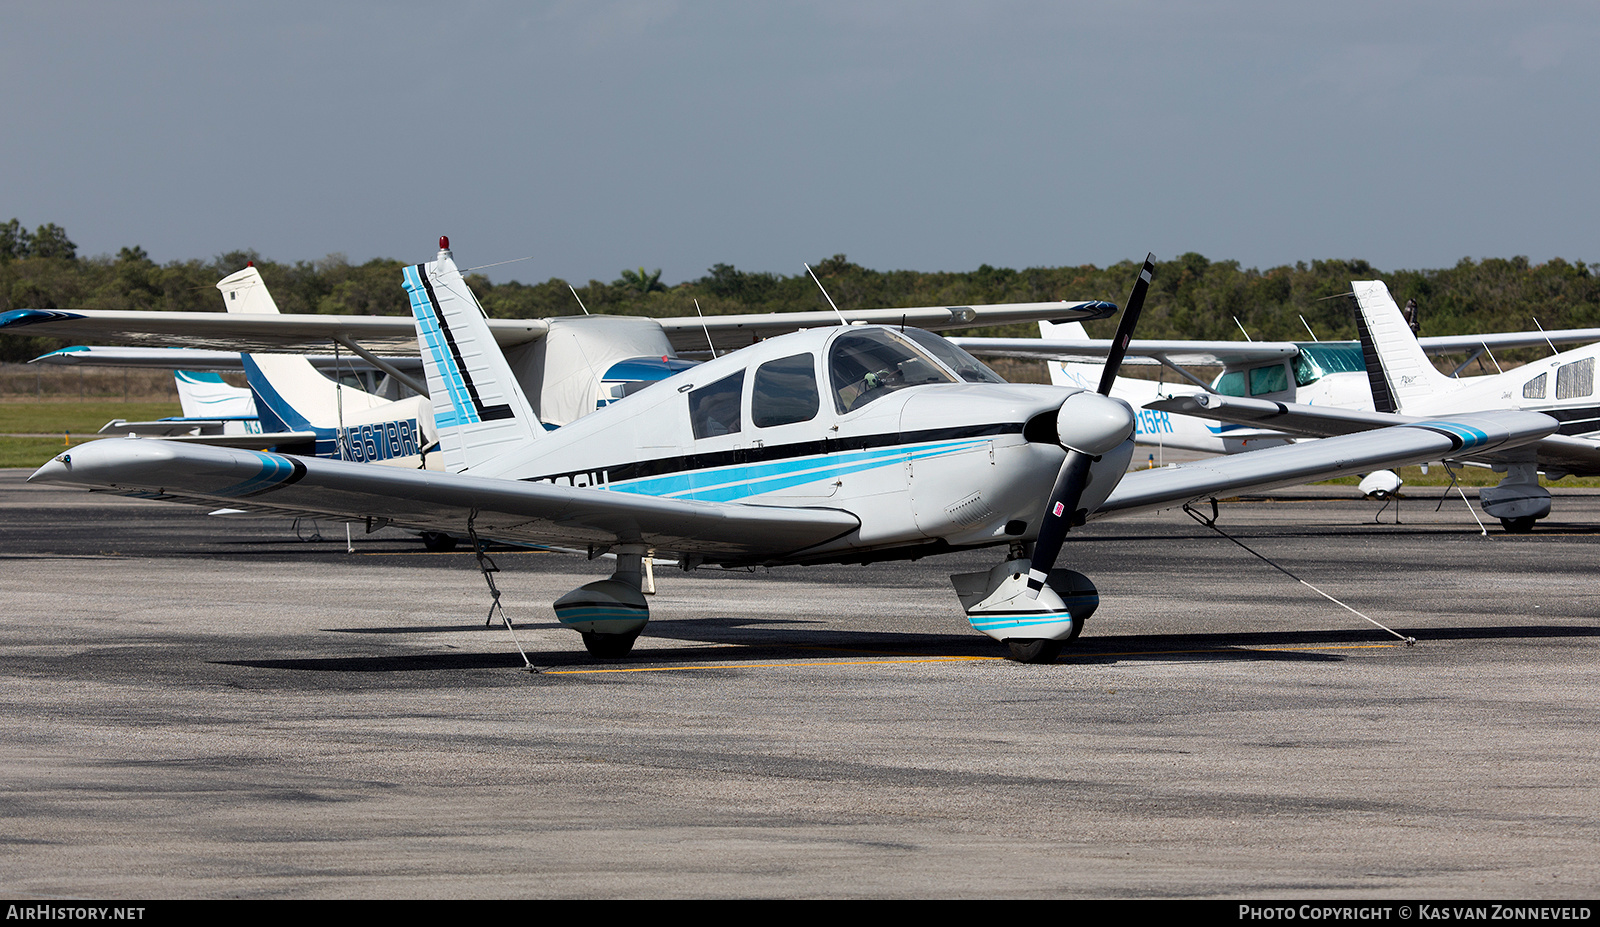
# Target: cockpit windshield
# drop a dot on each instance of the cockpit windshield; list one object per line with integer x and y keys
{"x": 966, "y": 366}
{"x": 872, "y": 363}
{"x": 1318, "y": 359}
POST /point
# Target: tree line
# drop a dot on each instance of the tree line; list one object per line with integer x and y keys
{"x": 1190, "y": 297}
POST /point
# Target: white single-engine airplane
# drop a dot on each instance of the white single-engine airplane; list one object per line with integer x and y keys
{"x": 1405, "y": 383}
{"x": 850, "y": 443}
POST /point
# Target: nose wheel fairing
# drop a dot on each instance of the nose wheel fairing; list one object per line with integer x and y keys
{"x": 997, "y": 603}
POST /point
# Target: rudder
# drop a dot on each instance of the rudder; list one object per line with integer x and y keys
{"x": 479, "y": 409}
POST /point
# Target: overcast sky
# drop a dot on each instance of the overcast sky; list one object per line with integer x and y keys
{"x": 597, "y": 135}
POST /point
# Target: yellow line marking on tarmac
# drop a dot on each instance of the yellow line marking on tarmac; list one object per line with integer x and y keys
{"x": 807, "y": 665}
{"x": 663, "y": 669}
{"x": 1241, "y": 650}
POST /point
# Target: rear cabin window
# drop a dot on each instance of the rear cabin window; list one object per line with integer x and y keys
{"x": 1272, "y": 379}
{"x": 1576, "y": 379}
{"x": 714, "y": 409}
{"x": 1534, "y": 388}
{"x": 785, "y": 392}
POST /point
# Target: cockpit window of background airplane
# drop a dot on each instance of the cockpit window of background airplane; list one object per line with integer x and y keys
{"x": 1317, "y": 360}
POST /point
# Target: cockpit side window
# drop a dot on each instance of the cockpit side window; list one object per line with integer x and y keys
{"x": 1230, "y": 383}
{"x": 785, "y": 392}
{"x": 714, "y": 409}
{"x": 868, "y": 365}
{"x": 1268, "y": 379}
{"x": 1534, "y": 388}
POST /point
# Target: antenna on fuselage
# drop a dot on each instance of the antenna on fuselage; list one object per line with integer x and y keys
{"x": 1306, "y": 324}
{"x": 825, "y": 295}
{"x": 1241, "y": 328}
{"x": 579, "y": 299}
{"x": 709, "y": 343}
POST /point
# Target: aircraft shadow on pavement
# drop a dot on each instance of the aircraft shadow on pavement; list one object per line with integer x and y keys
{"x": 802, "y": 644}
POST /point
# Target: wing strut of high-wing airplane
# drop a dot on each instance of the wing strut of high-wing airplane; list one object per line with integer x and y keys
{"x": 849, "y": 443}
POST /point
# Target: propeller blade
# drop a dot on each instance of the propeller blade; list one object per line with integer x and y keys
{"x": 1061, "y": 511}
{"x": 1130, "y": 318}
{"x": 1059, "y": 514}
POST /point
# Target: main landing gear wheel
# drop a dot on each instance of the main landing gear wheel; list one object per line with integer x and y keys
{"x": 1034, "y": 649}
{"x": 437, "y": 541}
{"x": 1523, "y": 525}
{"x": 609, "y": 645}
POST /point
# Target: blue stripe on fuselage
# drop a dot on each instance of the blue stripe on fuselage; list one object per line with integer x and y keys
{"x": 741, "y": 481}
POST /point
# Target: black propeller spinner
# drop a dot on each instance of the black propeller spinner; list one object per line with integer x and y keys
{"x": 1062, "y": 512}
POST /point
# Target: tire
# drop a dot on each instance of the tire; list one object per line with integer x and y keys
{"x": 609, "y": 646}
{"x": 1034, "y": 649}
{"x": 1523, "y": 525}
{"x": 438, "y": 542}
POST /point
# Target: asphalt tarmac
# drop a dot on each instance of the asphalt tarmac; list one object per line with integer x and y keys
{"x": 199, "y": 707}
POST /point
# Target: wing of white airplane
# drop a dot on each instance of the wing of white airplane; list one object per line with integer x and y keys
{"x": 1466, "y": 344}
{"x": 733, "y": 533}
{"x": 315, "y": 334}
{"x": 500, "y": 509}
{"x": 1479, "y": 434}
{"x": 732, "y": 331}
{"x": 222, "y": 331}
{"x": 1140, "y": 351}
{"x": 253, "y": 442}
{"x": 1554, "y": 452}
{"x": 197, "y": 359}
{"x": 1242, "y": 353}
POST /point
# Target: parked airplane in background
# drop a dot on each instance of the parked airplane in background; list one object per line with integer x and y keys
{"x": 1404, "y": 382}
{"x": 1319, "y": 373}
{"x": 851, "y": 443}
{"x": 211, "y": 409}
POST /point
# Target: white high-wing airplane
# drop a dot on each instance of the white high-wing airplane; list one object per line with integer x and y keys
{"x": 1404, "y": 382}
{"x": 850, "y": 443}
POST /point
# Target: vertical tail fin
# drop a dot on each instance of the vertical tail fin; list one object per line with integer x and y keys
{"x": 206, "y": 395}
{"x": 478, "y": 407}
{"x": 1397, "y": 369}
{"x": 291, "y": 395}
{"x": 1070, "y": 373}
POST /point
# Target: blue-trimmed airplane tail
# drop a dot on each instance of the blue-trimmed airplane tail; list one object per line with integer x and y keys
{"x": 207, "y": 395}
{"x": 292, "y": 395}
{"x": 479, "y": 409}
